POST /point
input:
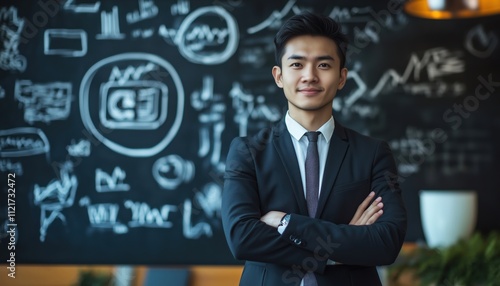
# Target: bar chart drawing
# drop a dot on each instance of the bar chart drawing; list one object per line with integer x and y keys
{"x": 110, "y": 26}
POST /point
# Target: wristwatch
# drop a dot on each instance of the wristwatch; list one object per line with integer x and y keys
{"x": 284, "y": 221}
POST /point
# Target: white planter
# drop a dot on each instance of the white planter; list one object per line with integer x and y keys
{"x": 447, "y": 215}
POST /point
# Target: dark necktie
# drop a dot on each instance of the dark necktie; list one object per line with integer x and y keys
{"x": 312, "y": 187}
{"x": 312, "y": 173}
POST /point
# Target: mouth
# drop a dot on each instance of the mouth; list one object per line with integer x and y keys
{"x": 309, "y": 91}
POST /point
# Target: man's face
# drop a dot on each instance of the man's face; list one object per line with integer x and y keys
{"x": 310, "y": 74}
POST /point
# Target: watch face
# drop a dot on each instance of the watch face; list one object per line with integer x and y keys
{"x": 284, "y": 220}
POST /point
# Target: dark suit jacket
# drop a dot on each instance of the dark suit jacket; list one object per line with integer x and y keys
{"x": 262, "y": 175}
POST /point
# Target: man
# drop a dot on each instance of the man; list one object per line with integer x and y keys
{"x": 302, "y": 223}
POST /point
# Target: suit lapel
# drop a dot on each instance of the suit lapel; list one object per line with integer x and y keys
{"x": 336, "y": 153}
{"x": 284, "y": 147}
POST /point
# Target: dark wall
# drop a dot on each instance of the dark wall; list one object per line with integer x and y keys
{"x": 116, "y": 117}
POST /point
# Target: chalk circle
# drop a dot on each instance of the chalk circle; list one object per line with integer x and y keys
{"x": 118, "y": 146}
{"x": 208, "y": 58}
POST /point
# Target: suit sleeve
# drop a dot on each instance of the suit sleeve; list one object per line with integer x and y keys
{"x": 372, "y": 245}
{"x": 249, "y": 238}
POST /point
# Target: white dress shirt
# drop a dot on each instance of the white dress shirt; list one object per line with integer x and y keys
{"x": 300, "y": 144}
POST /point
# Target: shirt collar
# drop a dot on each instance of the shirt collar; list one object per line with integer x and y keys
{"x": 297, "y": 131}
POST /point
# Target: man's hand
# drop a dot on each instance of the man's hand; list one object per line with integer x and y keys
{"x": 273, "y": 218}
{"x": 367, "y": 213}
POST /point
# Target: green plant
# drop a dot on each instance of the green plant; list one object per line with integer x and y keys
{"x": 93, "y": 278}
{"x": 475, "y": 261}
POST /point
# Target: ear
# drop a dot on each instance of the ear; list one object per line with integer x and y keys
{"x": 343, "y": 78}
{"x": 277, "y": 76}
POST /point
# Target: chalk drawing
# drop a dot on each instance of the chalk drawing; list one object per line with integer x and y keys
{"x": 11, "y": 28}
{"x": 437, "y": 62}
{"x": 249, "y": 106}
{"x": 147, "y": 9}
{"x": 143, "y": 33}
{"x": 172, "y": 170}
{"x": 103, "y": 216}
{"x": 105, "y": 182}
{"x": 110, "y": 26}
{"x": 366, "y": 15}
{"x": 7, "y": 165}
{"x": 210, "y": 199}
{"x": 189, "y": 230}
{"x": 481, "y": 43}
{"x": 243, "y": 103}
{"x": 145, "y": 216}
{"x": 350, "y": 15}
{"x": 345, "y": 103}
{"x": 265, "y": 112}
{"x": 211, "y": 108}
{"x": 202, "y": 44}
{"x": 53, "y": 198}
{"x": 134, "y": 88}
{"x": 133, "y": 104}
{"x": 82, "y": 7}
{"x": 274, "y": 20}
{"x": 44, "y": 102}
{"x": 22, "y": 142}
{"x": 72, "y": 38}
{"x": 80, "y": 149}
{"x": 180, "y": 8}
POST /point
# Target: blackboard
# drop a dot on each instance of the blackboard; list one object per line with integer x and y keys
{"x": 116, "y": 116}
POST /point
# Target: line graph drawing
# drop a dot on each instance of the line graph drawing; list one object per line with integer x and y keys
{"x": 53, "y": 198}
{"x": 202, "y": 43}
{"x": 276, "y": 18}
{"x": 437, "y": 62}
{"x": 344, "y": 105}
{"x": 105, "y": 182}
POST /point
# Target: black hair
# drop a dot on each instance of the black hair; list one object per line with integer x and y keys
{"x": 308, "y": 23}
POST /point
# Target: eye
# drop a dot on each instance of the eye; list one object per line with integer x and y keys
{"x": 324, "y": 65}
{"x": 295, "y": 65}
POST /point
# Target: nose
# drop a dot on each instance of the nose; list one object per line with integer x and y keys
{"x": 309, "y": 74}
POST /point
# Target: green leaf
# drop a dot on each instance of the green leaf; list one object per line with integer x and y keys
{"x": 475, "y": 261}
